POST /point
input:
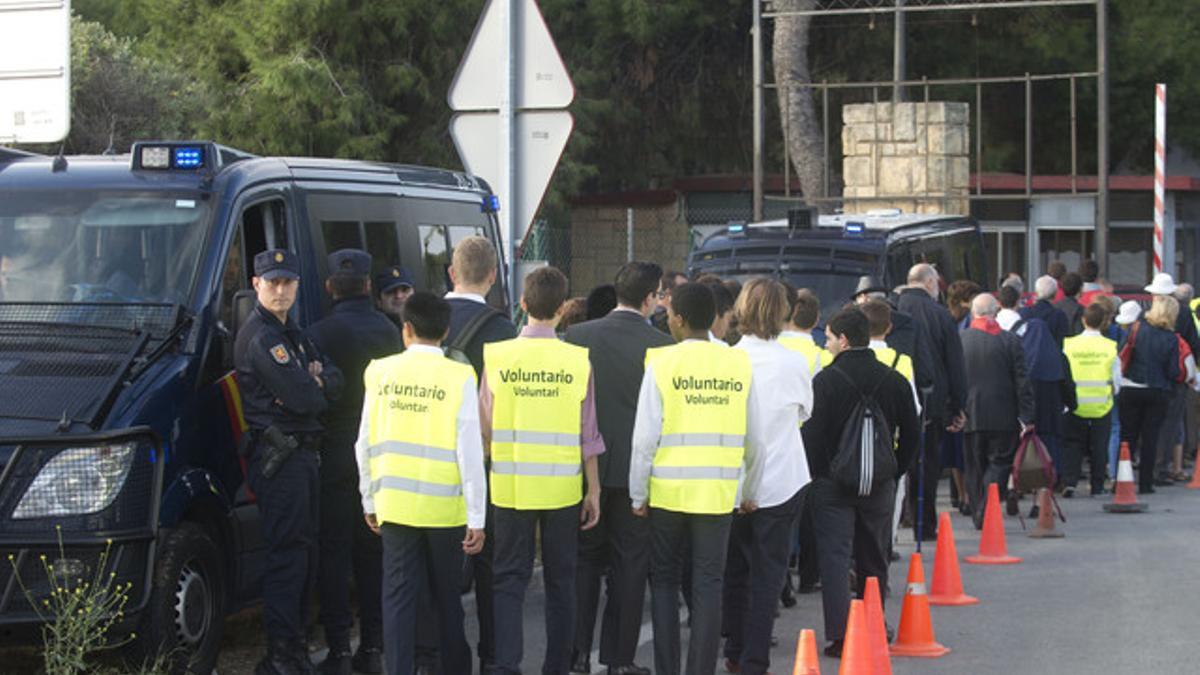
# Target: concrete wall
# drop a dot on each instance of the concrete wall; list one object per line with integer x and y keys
{"x": 904, "y": 151}
{"x": 599, "y": 241}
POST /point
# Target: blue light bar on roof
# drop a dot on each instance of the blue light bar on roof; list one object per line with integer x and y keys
{"x": 491, "y": 204}
{"x": 854, "y": 229}
{"x": 189, "y": 157}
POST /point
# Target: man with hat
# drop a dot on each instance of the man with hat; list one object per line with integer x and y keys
{"x": 286, "y": 385}
{"x": 352, "y": 336}
{"x": 394, "y": 284}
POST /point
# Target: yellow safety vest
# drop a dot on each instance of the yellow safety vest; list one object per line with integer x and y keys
{"x": 1091, "y": 358}
{"x": 1193, "y": 305}
{"x": 903, "y": 365}
{"x": 538, "y": 386}
{"x": 704, "y": 389}
{"x": 813, "y": 355}
{"x": 412, "y": 402}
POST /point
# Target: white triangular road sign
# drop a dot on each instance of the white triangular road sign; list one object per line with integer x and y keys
{"x": 542, "y": 80}
{"x": 539, "y": 140}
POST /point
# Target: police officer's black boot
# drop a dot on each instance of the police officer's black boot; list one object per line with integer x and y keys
{"x": 278, "y": 660}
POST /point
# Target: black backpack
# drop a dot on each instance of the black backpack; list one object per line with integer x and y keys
{"x": 865, "y": 456}
{"x": 457, "y": 349}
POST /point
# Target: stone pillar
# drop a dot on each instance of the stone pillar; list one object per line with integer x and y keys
{"x": 917, "y": 155}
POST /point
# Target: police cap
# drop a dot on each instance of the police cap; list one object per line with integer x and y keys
{"x": 392, "y": 278}
{"x": 276, "y": 263}
{"x": 350, "y": 262}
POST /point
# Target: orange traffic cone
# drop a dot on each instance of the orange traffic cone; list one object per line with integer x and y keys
{"x": 947, "y": 588}
{"x": 856, "y": 649}
{"x": 877, "y": 627}
{"x": 1124, "y": 495}
{"x": 915, "y": 636}
{"x": 993, "y": 550}
{"x": 1045, "y": 524}
{"x": 807, "y": 662}
{"x": 1195, "y": 484}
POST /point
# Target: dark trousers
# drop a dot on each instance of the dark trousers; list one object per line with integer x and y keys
{"x": 988, "y": 456}
{"x": 481, "y": 574}
{"x": 288, "y": 503}
{"x": 1142, "y": 412}
{"x": 619, "y": 545}
{"x": 1048, "y": 419}
{"x": 517, "y": 533}
{"x": 810, "y": 572}
{"x": 754, "y": 576}
{"x": 419, "y": 560}
{"x": 348, "y": 546}
{"x": 850, "y": 525}
{"x": 708, "y": 536}
{"x": 932, "y": 453}
{"x": 1085, "y": 438}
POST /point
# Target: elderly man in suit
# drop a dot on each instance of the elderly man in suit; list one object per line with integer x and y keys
{"x": 999, "y": 400}
{"x": 620, "y": 543}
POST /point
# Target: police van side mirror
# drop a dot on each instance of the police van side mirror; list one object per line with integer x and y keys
{"x": 243, "y": 304}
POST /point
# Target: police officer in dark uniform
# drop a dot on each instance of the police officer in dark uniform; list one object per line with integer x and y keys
{"x": 286, "y": 385}
{"x": 352, "y": 335}
{"x": 394, "y": 285}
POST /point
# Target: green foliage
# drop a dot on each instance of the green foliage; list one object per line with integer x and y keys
{"x": 664, "y": 86}
{"x": 79, "y": 613}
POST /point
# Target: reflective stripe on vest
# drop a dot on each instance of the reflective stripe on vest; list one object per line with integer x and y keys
{"x": 538, "y": 386}
{"x": 412, "y": 403}
{"x": 704, "y": 388}
{"x": 1091, "y": 358}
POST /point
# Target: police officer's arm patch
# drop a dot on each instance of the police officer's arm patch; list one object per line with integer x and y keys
{"x": 280, "y": 354}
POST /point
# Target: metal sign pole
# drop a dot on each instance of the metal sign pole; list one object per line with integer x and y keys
{"x": 508, "y": 174}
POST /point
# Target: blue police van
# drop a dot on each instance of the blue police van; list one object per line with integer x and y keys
{"x": 123, "y": 280}
{"x": 828, "y": 253}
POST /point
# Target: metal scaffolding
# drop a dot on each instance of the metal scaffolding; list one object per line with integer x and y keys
{"x": 765, "y": 9}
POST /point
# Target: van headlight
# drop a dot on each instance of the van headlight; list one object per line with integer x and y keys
{"x": 78, "y": 481}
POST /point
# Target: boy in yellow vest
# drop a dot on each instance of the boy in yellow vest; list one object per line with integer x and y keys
{"x": 797, "y": 335}
{"x": 420, "y": 463}
{"x": 1097, "y": 374}
{"x": 537, "y": 407}
{"x": 688, "y": 452}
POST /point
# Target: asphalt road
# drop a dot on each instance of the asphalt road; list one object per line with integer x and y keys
{"x": 1117, "y": 594}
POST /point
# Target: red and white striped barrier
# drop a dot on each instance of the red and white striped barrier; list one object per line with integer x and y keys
{"x": 1160, "y": 170}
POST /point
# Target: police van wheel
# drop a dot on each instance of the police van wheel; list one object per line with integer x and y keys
{"x": 186, "y": 615}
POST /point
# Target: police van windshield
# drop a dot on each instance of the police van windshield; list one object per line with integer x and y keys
{"x": 100, "y": 246}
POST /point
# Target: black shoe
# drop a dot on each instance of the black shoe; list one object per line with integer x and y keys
{"x": 788, "y": 597}
{"x": 280, "y": 660}
{"x": 631, "y": 669}
{"x": 368, "y": 660}
{"x": 893, "y": 556}
{"x": 1146, "y": 491}
{"x": 834, "y": 649}
{"x": 966, "y": 509}
{"x": 1011, "y": 507}
{"x": 1068, "y": 492}
{"x": 808, "y": 589}
{"x": 300, "y": 658}
{"x": 1033, "y": 512}
{"x": 581, "y": 664}
{"x": 338, "y": 662}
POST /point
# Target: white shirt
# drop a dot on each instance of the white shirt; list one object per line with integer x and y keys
{"x": 470, "y": 452}
{"x": 780, "y": 399}
{"x": 1116, "y": 369}
{"x": 803, "y": 336}
{"x": 880, "y": 344}
{"x": 647, "y": 429}
{"x": 1007, "y": 318}
{"x": 473, "y": 297}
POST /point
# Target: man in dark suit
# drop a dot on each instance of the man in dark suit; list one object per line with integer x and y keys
{"x": 620, "y": 543}
{"x": 847, "y": 523}
{"x": 947, "y": 378}
{"x": 473, "y": 272}
{"x": 999, "y": 401}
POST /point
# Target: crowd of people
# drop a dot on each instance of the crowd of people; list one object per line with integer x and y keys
{"x": 720, "y": 443}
